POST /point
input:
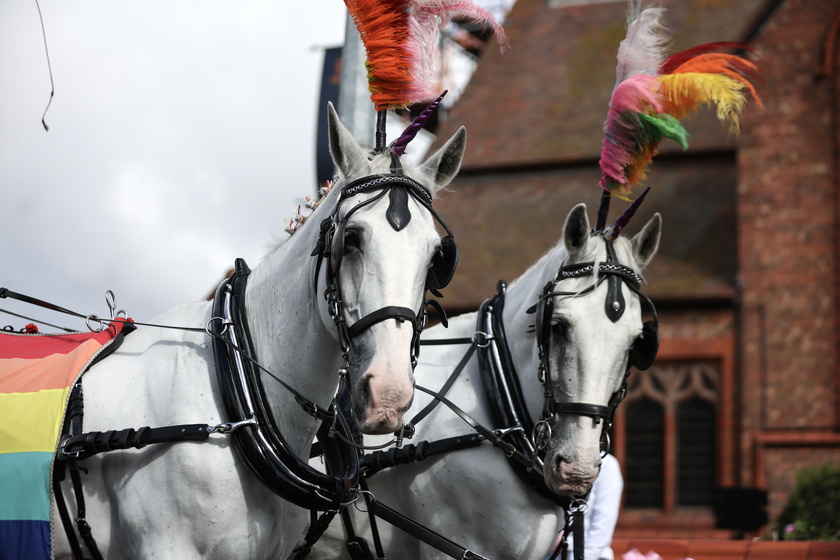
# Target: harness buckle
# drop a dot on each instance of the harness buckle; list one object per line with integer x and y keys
{"x": 578, "y": 505}
{"x": 406, "y": 432}
{"x": 64, "y": 453}
{"x": 502, "y": 433}
{"x": 229, "y": 427}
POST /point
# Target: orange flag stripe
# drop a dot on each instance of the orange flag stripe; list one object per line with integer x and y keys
{"x": 54, "y": 371}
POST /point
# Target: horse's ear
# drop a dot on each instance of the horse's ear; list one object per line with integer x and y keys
{"x": 646, "y": 242}
{"x": 347, "y": 154}
{"x": 442, "y": 167}
{"x": 576, "y": 230}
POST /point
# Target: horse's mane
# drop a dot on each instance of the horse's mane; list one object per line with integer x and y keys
{"x": 304, "y": 213}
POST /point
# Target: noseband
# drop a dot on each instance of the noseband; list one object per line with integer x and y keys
{"x": 330, "y": 247}
{"x": 641, "y": 353}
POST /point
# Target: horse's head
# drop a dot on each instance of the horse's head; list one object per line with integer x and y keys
{"x": 590, "y": 331}
{"x": 383, "y": 252}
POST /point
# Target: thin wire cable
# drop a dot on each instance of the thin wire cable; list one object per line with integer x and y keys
{"x": 38, "y": 321}
{"x": 49, "y": 67}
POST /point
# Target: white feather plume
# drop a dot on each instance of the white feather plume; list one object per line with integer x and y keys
{"x": 644, "y": 47}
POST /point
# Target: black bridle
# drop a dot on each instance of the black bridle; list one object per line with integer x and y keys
{"x": 330, "y": 248}
{"x": 641, "y": 354}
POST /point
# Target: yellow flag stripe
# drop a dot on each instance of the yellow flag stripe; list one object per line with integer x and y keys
{"x": 31, "y": 421}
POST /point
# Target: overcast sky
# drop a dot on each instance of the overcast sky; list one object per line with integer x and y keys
{"x": 181, "y": 134}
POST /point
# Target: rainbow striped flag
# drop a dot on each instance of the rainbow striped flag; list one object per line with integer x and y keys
{"x": 36, "y": 374}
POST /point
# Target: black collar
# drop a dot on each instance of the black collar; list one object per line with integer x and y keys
{"x": 260, "y": 442}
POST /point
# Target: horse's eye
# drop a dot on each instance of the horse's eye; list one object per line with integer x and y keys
{"x": 352, "y": 242}
{"x": 560, "y": 325}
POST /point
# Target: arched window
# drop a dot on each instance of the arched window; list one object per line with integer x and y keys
{"x": 695, "y": 452}
{"x": 644, "y": 465}
{"x": 669, "y": 437}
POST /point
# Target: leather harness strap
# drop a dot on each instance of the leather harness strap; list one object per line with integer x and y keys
{"x": 401, "y": 314}
{"x": 90, "y": 443}
{"x": 425, "y": 534}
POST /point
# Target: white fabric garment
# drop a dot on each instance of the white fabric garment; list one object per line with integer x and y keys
{"x": 602, "y": 512}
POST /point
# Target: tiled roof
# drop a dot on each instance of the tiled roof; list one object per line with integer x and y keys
{"x": 545, "y": 99}
{"x": 503, "y": 223}
{"x": 534, "y": 117}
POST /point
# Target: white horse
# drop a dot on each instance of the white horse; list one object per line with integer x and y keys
{"x": 473, "y": 496}
{"x": 199, "y": 500}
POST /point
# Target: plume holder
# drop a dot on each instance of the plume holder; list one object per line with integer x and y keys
{"x": 381, "y": 119}
{"x": 603, "y": 210}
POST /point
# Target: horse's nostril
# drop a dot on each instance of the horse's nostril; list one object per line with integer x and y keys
{"x": 557, "y": 462}
{"x": 360, "y": 402}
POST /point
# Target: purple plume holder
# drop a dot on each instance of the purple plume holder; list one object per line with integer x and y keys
{"x": 398, "y": 145}
{"x": 614, "y": 230}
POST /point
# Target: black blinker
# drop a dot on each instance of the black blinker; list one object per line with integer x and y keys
{"x": 645, "y": 347}
{"x": 337, "y": 246}
{"x": 443, "y": 264}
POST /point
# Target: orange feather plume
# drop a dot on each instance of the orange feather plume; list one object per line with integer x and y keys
{"x": 401, "y": 37}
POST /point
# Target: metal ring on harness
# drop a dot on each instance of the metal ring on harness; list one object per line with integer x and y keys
{"x": 95, "y": 319}
{"x": 224, "y": 323}
{"x": 541, "y": 435}
{"x": 482, "y": 339}
{"x": 359, "y": 494}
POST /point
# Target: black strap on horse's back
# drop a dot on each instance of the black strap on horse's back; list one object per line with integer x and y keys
{"x": 425, "y": 534}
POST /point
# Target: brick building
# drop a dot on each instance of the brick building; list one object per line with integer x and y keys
{"x": 745, "y": 390}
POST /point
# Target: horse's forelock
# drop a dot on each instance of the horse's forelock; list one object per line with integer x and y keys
{"x": 624, "y": 252}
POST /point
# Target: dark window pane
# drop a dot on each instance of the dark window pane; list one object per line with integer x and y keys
{"x": 696, "y": 452}
{"x": 644, "y": 455}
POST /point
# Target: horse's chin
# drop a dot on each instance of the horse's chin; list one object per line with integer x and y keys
{"x": 569, "y": 479}
{"x": 379, "y": 428}
{"x": 381, "y": 421}
{"x": 568, "y": 488}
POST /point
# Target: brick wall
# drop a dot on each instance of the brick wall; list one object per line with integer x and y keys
{"x": 788, "y": 246}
